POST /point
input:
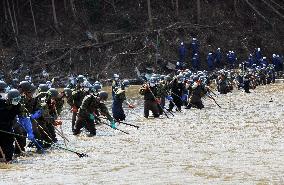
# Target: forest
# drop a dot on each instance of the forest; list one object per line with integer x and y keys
{"x": 101, "y": 37}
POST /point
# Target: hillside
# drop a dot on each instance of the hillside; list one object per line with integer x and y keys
{"x": 100, "y": 37}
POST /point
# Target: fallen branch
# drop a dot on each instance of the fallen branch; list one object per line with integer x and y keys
{"x": 274, "y": 10}
{"x": 279, "y": 6}
{"x": 263, "y": 17}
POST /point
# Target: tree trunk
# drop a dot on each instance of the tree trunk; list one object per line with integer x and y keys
{"x": 15, "y": 18}
{"x": 31, "y": 6}
{"x": 73, "y": 9}
{"x": 5, "y": 10}
{"x": 12, "y": 23}
{"x": 177, "y": 7}
{"x": 198, "y": 11}
{"x": 150, "y": 13}
{"x": 54, "y": 15}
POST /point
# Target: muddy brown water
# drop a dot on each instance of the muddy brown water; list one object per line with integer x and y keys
{"x": 241, "y": 143}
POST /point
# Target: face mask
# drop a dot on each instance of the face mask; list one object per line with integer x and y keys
{"x": 179, "y": 81}
{"x": 3, "y": 95}
{"x": 42, "y": 102}
{"x": 152, "y": 84}
{"x": 86, "y": 89}
{"x": 116, "y": 79}
{"x": 16, "y": 101}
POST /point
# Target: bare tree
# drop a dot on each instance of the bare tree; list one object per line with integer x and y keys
{"x": 12, "y": 23}
{"x": 150, "y": 13}
{"x": 5, "y": 11}
{"x": 15, "y": 18}
{"x": 73, "y": 8}
{"x": 54, "y": 14}
{"x": 31, "y": 6}
{"x": 177, "y": 7}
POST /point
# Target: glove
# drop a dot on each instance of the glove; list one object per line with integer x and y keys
{"x": 92, "y": 117}
{"x": 131, "y": 106}
{"x": 74, "y": 109}
{"x": 57, "y": 123}
{"x": 184, "y": 97}
{"x": 170, "y": 98}
{"x": 31, "y": 136}
{"x": 36, "y": 115}
{"x": 158, "y": 101}
{"x": 112, "y": 124}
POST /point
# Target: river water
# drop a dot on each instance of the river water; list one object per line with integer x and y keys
{"x": 240, "y": 143}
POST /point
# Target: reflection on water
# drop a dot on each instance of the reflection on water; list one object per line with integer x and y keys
{"x": 241, "y": 143}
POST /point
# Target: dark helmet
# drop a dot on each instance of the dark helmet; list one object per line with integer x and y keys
{"x": 153, "y": 80}
{"x": 187, "y": 75}
{"x": 195, "y": 78}
{"x": 80, "y": 79}
{"x": 25, "y": 86}
{"x": 3, "y": 85}
{"x": 126, "y": 83}
{"x": 96, "y": 87}
{"x": 103, "y": 95}
{"x": 14, "y": 96}
{"x": 53, "y": 92}
{"x": 168, "y": 78}
{"x": 68, "y": 92}
{"x": 97, "y": 83}
{"x": 115, "y": 76}
{"x": 180, "y": 77}
{"x": 162, "y": 77}
{"x": 43, "y": 88}
{"x": 15, "y": 82}
{"x": 33, "y": 88}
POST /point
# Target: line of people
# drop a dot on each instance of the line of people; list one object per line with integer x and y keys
{"x": 218, "y": 59}
{"x": 29, "y": 112}
{"x": 187, "y": 88}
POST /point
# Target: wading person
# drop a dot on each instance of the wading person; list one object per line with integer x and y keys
{"x": 151, "y": 101}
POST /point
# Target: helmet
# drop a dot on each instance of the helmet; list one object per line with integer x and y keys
{"x": 3, "y": 85}
{"x": 68, "y": 92}
{"x": 87, "y": 85}
{"x": 168, "y": 78}
{"x": 180, "y": 78}
{"x": 15, "y": 82}
{"x": 43, "y": 88}
{"x": 187, "y": 75}
{"x": 25, "y": 86}
{"x": 97, "y": 87}
{"x": 28, "y": 78}
{"x": 115, "y": 76}
{"x": 195, "y": 78}
{"x": 126, "y": 83}
{"x": 153, "y": 80}
{"x": 162, "y": 77}
{"x": 80, "y": 79}
{"x": 97, "y": 83}
{"x": 103, "y": 95}
{"x": 48, "y": 83}
{"x": 53, "y": 92}
{"x": 33, "y": 88}
{"x": 14, "y": 96}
